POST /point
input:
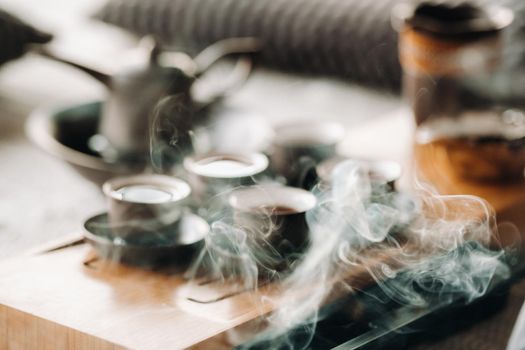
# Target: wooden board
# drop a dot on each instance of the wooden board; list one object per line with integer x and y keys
{"x": 63, "y": 299}
{"x": 110, "y": 306}
{"x": 69, "y": 299}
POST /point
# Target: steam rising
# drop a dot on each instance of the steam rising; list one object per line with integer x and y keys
{"x": 361, "y": 233}
{"x": 239, "y": 248}
{"x": 171, "y": 132}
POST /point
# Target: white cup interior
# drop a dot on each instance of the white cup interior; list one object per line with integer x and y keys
{"x": 147, "y": 189}
{"x": 227, "y": 165}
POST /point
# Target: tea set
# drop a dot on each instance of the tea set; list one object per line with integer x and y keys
{"x": 163, "y": 193}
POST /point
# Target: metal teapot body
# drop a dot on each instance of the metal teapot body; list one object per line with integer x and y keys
{"x": 128, "y": 113}
{"x": 135, "y": 94}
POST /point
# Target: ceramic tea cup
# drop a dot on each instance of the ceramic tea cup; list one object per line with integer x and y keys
{"x": 145, "y": 207}
{"x": 273, "y": 216}
{"x": 382, "y": 173}
{"x": 212, "y": 174}
{"x": 298, "y": 148}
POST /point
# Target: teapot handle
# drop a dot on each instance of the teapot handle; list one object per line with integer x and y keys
{"x": 223, "y": 48}
{"x": 236, "y": 78}
{"x": 240, "y": 72}
{"x": 202, "y": 62}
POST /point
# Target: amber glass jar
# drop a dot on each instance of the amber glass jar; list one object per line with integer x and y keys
{"x": 446, "y": 51}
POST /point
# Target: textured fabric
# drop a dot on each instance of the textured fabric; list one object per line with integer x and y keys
{"x": 349, "y": 38}
{"x": 15, "y": 36}
{"x": 352, "y": 39}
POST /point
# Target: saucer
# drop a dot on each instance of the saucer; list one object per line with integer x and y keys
{"x": 178, "y": 248}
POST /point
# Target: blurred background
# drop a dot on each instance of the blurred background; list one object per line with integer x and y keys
{"x": 42, "y": 198}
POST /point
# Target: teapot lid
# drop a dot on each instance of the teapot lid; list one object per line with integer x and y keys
{"x": 461, "y": 21}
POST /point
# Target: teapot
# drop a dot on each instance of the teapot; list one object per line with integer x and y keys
{"x": 134, "y": 114}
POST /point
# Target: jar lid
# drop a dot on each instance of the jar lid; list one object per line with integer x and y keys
{"x": 462, "y": 22}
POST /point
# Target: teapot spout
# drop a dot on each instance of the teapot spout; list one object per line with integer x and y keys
{"x": 102, "y": 77}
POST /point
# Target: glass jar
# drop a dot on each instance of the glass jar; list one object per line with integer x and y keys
{"x": 447, "y": 52}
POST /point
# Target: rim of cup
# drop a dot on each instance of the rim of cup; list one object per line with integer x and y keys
{"x": 255, "y": 163}
{"x": 177, "y": 189}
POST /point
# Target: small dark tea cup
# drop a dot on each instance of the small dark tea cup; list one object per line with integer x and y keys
{"x": 273, "y": 217}
{"x": 298, "y": 148}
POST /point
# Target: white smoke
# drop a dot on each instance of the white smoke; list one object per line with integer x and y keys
{"x": 437, "y": 245}
{"x": 361, "y": 233}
